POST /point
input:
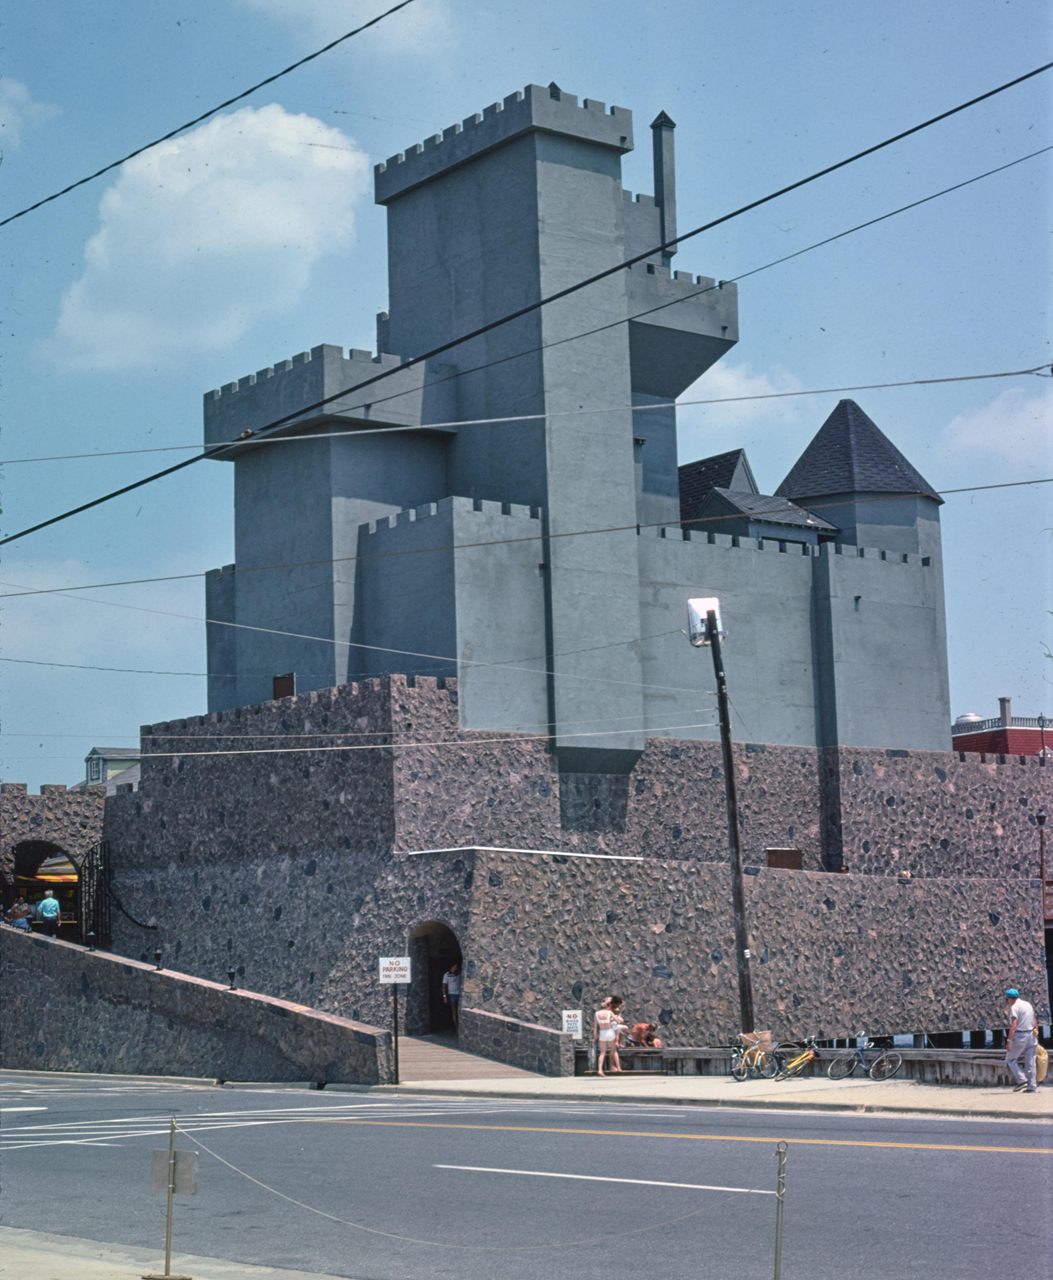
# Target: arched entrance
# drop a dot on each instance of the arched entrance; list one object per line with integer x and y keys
{"x": 433, "y": 947}
{"x": 40, "y": 865}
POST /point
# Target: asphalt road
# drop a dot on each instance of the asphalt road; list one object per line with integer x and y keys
{"x": 384, "y": 1188}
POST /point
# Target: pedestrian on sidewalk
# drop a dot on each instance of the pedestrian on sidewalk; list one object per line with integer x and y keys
{"x": 1021, "y": 1041}
{"x": 605, "y": 1024}
{"x": 451, "y": 990}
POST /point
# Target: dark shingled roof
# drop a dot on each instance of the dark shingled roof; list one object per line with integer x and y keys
{"x": 716, "y": 472}
{"x": 849, "y": 454}
{"x": 760, "y": 506}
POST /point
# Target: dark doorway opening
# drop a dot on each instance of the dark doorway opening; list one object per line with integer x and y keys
{"x": 433, "y": 948}
{"x": 40, "y": 865}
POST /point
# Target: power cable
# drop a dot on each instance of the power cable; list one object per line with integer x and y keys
{"x": 530, "y": 308}
{"x": 205, "y": 115}
{"x": 378, "y": 648}
{"x": 507, "y": 736}
{"x": 815, "y": 508}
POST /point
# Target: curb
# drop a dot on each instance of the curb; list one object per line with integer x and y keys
{"x": 737, "y": 1104}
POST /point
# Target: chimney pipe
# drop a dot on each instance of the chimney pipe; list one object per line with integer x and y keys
{"x": 1005, "y": 708}
{"x": 665, "y": 178}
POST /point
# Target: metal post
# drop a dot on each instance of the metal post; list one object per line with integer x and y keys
{"x": 780, "y": 1195}
{"x": 395, "y": 1026}
{"x": 171, "y": 1198}
{"x": 738, "y": 897}
{"x": 1040, "y": 818}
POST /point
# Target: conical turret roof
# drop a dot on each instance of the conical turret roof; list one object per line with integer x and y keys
{"x": 850, "y": 454}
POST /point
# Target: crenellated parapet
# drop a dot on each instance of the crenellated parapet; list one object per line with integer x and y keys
{"x": 547, "y": 109}
{"x": 454, "y": 506}
{"x": 289, "y": 396}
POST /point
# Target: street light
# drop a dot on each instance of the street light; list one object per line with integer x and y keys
{"x": 704, "y": 630}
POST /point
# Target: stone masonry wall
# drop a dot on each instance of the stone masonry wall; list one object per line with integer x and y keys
{"x": 831, "y": 953}
{"x": 293, "y": 869}
{"x": 66, "y": 1009}
{"x": 70, "y": 819}
{"x": 545, "y": 1050}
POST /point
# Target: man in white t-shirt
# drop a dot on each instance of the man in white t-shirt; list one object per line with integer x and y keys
{"x": 1021, "y": 1041}
{"x": 451, "y": 991}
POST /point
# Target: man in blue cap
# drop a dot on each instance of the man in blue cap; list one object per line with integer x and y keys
{"x": 1021, "y": 1041}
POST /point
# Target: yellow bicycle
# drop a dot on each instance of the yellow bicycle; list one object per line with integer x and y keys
{"x": 753, "y": 1056}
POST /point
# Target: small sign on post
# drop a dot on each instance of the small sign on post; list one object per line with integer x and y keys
{"x": 572, "y": 1023}
{"x": 393, "y": 970}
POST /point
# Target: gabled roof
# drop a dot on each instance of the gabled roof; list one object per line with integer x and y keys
{"x": 759, "y": 506}
{"x": 850, "y": 454}
{"x": 729, "y": 470}
{"x": 115, "y": 753}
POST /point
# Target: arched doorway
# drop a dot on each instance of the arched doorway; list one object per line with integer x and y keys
{"x": 433, "y": 947}
{"x": 40, "y": 865}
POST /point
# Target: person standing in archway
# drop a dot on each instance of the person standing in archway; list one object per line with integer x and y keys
{"x": 49, "y": 913}
{"x": 451, "y": 990}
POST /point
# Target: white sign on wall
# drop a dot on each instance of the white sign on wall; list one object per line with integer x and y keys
{"x": 572, "y": 1023}
{"x": 394, "y": 968}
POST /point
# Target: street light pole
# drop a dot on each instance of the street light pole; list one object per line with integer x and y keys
{"x": 708, "y": 633}
{"x": 1040, "y": 818}
{"x": 738, "y": 896}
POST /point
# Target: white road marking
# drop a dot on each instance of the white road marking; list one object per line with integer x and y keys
{"x": 5, "y": 1110}
{"x": 588, "y": 1177}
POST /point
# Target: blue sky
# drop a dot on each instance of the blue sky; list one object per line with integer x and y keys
{"x": 255, "y": 237}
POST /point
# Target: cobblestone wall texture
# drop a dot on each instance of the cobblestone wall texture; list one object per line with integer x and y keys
{"x": 295, "y": 869}
{"x": 69, "y": 1010}
{"x": 521, "y": 1044}
{"x": 70, "y": 819}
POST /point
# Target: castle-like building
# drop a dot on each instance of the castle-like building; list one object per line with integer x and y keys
{"x": 452, "y": 709}
{"x": 511, "y": 511}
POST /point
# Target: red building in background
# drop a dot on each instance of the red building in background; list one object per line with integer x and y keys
{"x": 1004, "y": 734}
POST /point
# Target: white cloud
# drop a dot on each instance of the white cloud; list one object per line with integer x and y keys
{"x": 19, "y": 111}
{"x": 205, "y": 235}
{"x": 423, "y": 29}
{"x": 708, "y": 429}
{"x": 1016, "y": 427}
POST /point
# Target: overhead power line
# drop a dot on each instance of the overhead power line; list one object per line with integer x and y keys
{"x": 814, "y": 507}
{"x": 530, "y": 308}
{"x": 205, "y": 115}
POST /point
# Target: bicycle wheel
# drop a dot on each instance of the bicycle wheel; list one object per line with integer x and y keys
{"x": 767, "y": 1066}
{"x": 885, "y": 1067}
{"x": 739, "y": 1069}
{"x": 841, "y": 1068}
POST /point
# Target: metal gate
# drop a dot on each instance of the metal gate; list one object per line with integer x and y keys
{"x": 93, "y": 897}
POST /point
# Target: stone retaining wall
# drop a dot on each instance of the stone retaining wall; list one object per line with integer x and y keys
{"x": 66, "y": 1009}
{"x": 520, "y": 1044}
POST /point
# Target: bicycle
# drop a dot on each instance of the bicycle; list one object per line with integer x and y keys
{"x": 803, "y": 1056}
{"x": 882, "y": 1067}
{"x": 753, "y": 1057}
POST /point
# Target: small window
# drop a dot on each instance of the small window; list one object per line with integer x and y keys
{"x": 95, "y": 769}
{"x": 784, "y": 859}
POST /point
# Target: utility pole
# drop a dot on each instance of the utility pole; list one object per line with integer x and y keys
{"x": 704, "y": 629}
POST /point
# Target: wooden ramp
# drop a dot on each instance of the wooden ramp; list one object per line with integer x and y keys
{"x": 437, "y": 1057}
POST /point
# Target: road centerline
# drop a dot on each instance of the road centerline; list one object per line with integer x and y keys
{"x": 591, "y": 1177}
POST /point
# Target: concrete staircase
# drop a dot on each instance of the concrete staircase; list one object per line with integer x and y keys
{"x": 423, "y": 1058}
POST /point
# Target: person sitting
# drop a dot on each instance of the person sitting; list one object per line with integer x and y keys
{"x": 19, "y": 913}
{"x": 644, "y": 1036}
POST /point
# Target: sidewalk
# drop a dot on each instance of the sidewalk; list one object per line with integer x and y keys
{"x": 36, "y": 1255}
{"x": 857, "y": 1096}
